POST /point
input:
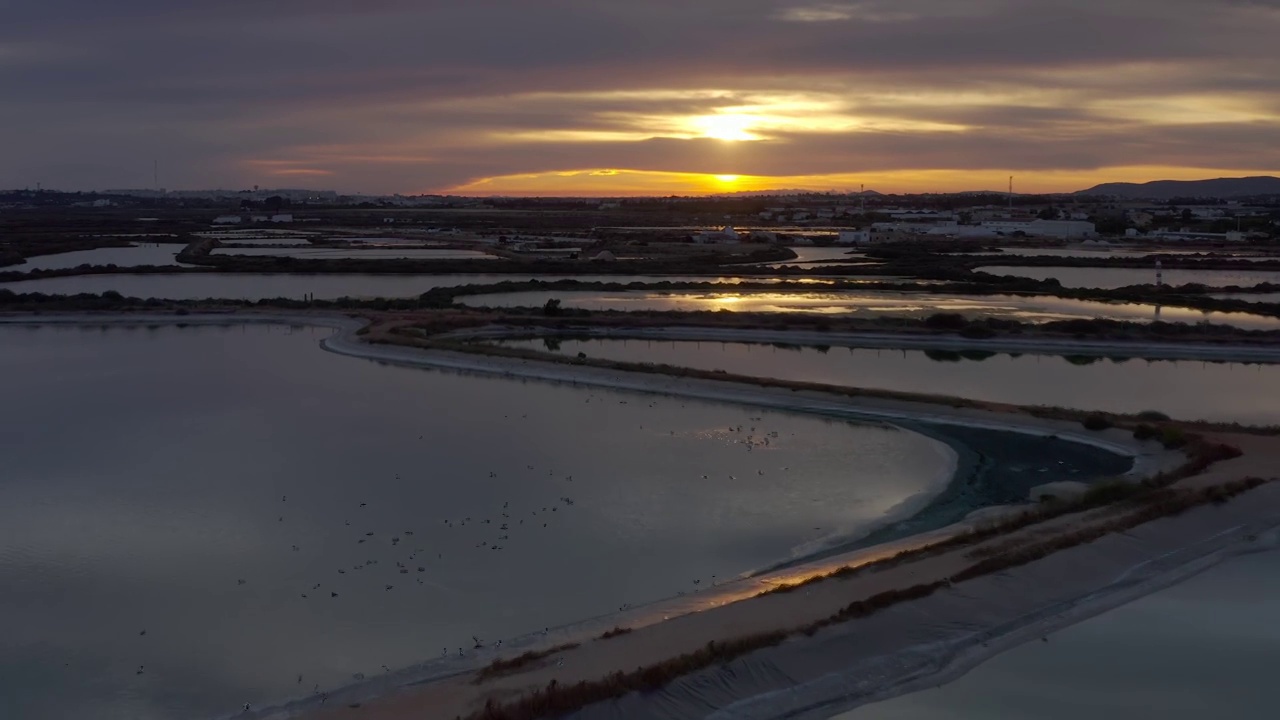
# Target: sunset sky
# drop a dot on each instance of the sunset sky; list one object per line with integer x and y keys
{"x": 612, "y": 97}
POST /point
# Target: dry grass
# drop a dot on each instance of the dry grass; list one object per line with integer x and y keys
{"x": 1157, "y": 504}
{"x": 501, "y": 667}
{"x": 556, "y": 699}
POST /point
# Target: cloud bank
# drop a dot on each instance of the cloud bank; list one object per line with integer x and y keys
{"x": 507, "y": 96}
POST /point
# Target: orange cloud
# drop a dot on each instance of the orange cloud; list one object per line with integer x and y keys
{"x": 614, "y": 183}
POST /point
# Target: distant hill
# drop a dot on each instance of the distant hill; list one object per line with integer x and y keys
{"x": 1169, "y": 189}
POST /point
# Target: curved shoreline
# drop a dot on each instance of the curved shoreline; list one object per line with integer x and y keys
{"x": 345, "y": 342}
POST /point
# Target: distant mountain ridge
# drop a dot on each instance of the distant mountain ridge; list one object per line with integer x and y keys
{"x": 1169, "y": 189}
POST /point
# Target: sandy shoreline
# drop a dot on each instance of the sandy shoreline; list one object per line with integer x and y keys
{"x": 844, "y": 665}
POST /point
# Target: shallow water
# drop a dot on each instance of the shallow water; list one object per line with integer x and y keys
{"x": 253, "y": 286}
{"x": 1206, "y": 648}
{"x": 256, "y": 237}
{"x": 1110, "y": 278}
{"x": 133, "y": 256}
{"x": 810, "y": 257}
{"x": 1187, "y": 390}
{"x": 1121, "y": 251}
{"x": 367, "y": 254}
{"x": 870, "y": 303}
{"x": 148, "y": 471}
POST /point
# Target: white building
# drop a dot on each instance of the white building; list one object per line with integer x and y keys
{"x": 282, "y": 218}
{"x": 1061, "y": 229}
{"x": 1065, "y": 229}
{"x": 228, "y": 220}
{"x": 854, "y": 237}
{"x": 1191, "y": 235}
{"x": 923, "y": 216}
{"x": 963, "y": 231}
{"x": 916, "y": 227}
{"x": 724, "y": 236}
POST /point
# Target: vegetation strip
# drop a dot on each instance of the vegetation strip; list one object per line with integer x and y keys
{"x": 405, "y": 336}
{"x": 501, "y": 667}
{"x": 556, "y": 699}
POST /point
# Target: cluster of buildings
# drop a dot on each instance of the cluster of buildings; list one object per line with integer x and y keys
{"x": 239, "y": 219}
{"x": 950, "y": 227}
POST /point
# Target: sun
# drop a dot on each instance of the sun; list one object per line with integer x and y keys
{"x": 728, "y": 179}
{"x": 733, "y": 127}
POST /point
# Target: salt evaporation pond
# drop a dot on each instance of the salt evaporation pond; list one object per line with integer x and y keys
{"x": 132, "y": 256}
{"x": 1206, "y": 648}
{"x": 260, "y": 237}
{"x": 196, "y": 483}
{"x": 870, "y": 303}
{"x": 318, "y": 253}
{"x": 1121, "y": 251}
{"x": 256, "y": 286}
{"x": 1186, "y": 390}
{"x": 809, "y": 257}
{"x": 1111, "y": 278}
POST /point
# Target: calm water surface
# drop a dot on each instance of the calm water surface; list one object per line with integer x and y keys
{"x": 197, "y": 483}
{"x": 1110, "y": 278}
{"x": 1188, "y": 390}
{"x": 1123, "y": 251}
{"x": 257, "y": 237}
{"x": 367, "y": 254}
{"x": 253, "y": 286}
{"x": 810, "y": 257}
{"x": 1029, "y": 309}
{"x": 1206, "y": 648}
{"x": 132, "y": 256}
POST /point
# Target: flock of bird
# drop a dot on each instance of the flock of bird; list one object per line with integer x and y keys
{"x": 395, "y": 560}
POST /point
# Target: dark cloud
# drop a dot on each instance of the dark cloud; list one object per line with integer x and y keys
{"x": 89, "y": 87}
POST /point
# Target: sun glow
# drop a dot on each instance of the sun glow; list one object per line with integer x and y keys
{"x": 615, "y": 182}
{"x": 732, "y": 127}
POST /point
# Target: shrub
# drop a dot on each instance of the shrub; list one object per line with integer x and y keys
{"x": 946, "y": 321}
{"x": 1144, "y": 432}
{"x": 1172, "y": 437}
{"x": 501, "y": 667}
{"x": 1153, "y": 415}
{"x": 615, "y": 633}
{"x": 1108, "y": 492}
{"x": 1096, "y": 421}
